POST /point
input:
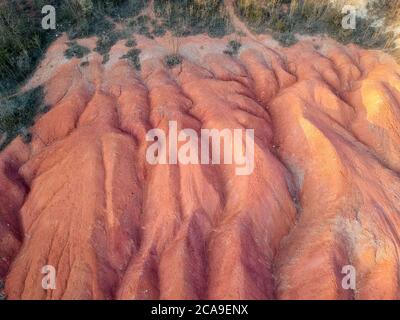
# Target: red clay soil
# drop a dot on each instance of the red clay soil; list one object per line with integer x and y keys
{"x": 325, "y": 191}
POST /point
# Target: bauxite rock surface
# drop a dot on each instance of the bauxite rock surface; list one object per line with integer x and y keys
{"x": 325, "y": 191}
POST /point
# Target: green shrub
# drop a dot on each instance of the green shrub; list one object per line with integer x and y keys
{"x": 159, "y": 30}
{"x": 107, "y": 40}
{"x": 26, "y": 136}
{"x": 173, "y": 60}
{"x": 141, "y": 26}
{"x": 106, "y": 57}
{"x": 286, "y": 39}
{"x": 233, "y": 48}
{"x": 76, "y": 50}
{"x": 131, "y": 43}
{"x": 133, "y": 58}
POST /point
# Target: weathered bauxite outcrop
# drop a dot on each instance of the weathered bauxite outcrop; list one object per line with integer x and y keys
{"x": 325, "y": 191}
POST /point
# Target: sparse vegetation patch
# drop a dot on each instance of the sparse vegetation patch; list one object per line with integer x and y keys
{"x": 189, "y": 17}
{"x": 133, "y": 56}
{"x": 233, "y": 48}
{"x": 173, "y": 60}
{"x": 141, "y": 25}
{"x": 284, "y": 18}
{"x": 131, "y": 43}
{"x": 106, "y": 40}
{"x": 17, "y": 113}
{"x": 76, "y": 50}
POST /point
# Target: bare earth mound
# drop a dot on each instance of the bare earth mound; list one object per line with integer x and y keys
{"x": 325, "y": 191}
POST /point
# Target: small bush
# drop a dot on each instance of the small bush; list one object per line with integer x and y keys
{"x": 26, "y": 136}
{"x": 107, "y": 40}
{"x": 133, "y": 57}
{"x": 286, "y": 39}
{"x": 141, "y": 25}
{"x": 159, "y": 30}
{"x": 76, "y": 50}
{"x": 106, "y": 57}
{"x": 218, "y": 27}
{"x": 173, "y": 60}
{"x": 131, "y": 43}
{"x": 233, "y": 48}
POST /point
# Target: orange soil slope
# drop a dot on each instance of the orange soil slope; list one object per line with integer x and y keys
{"x": 325, "y": 191}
